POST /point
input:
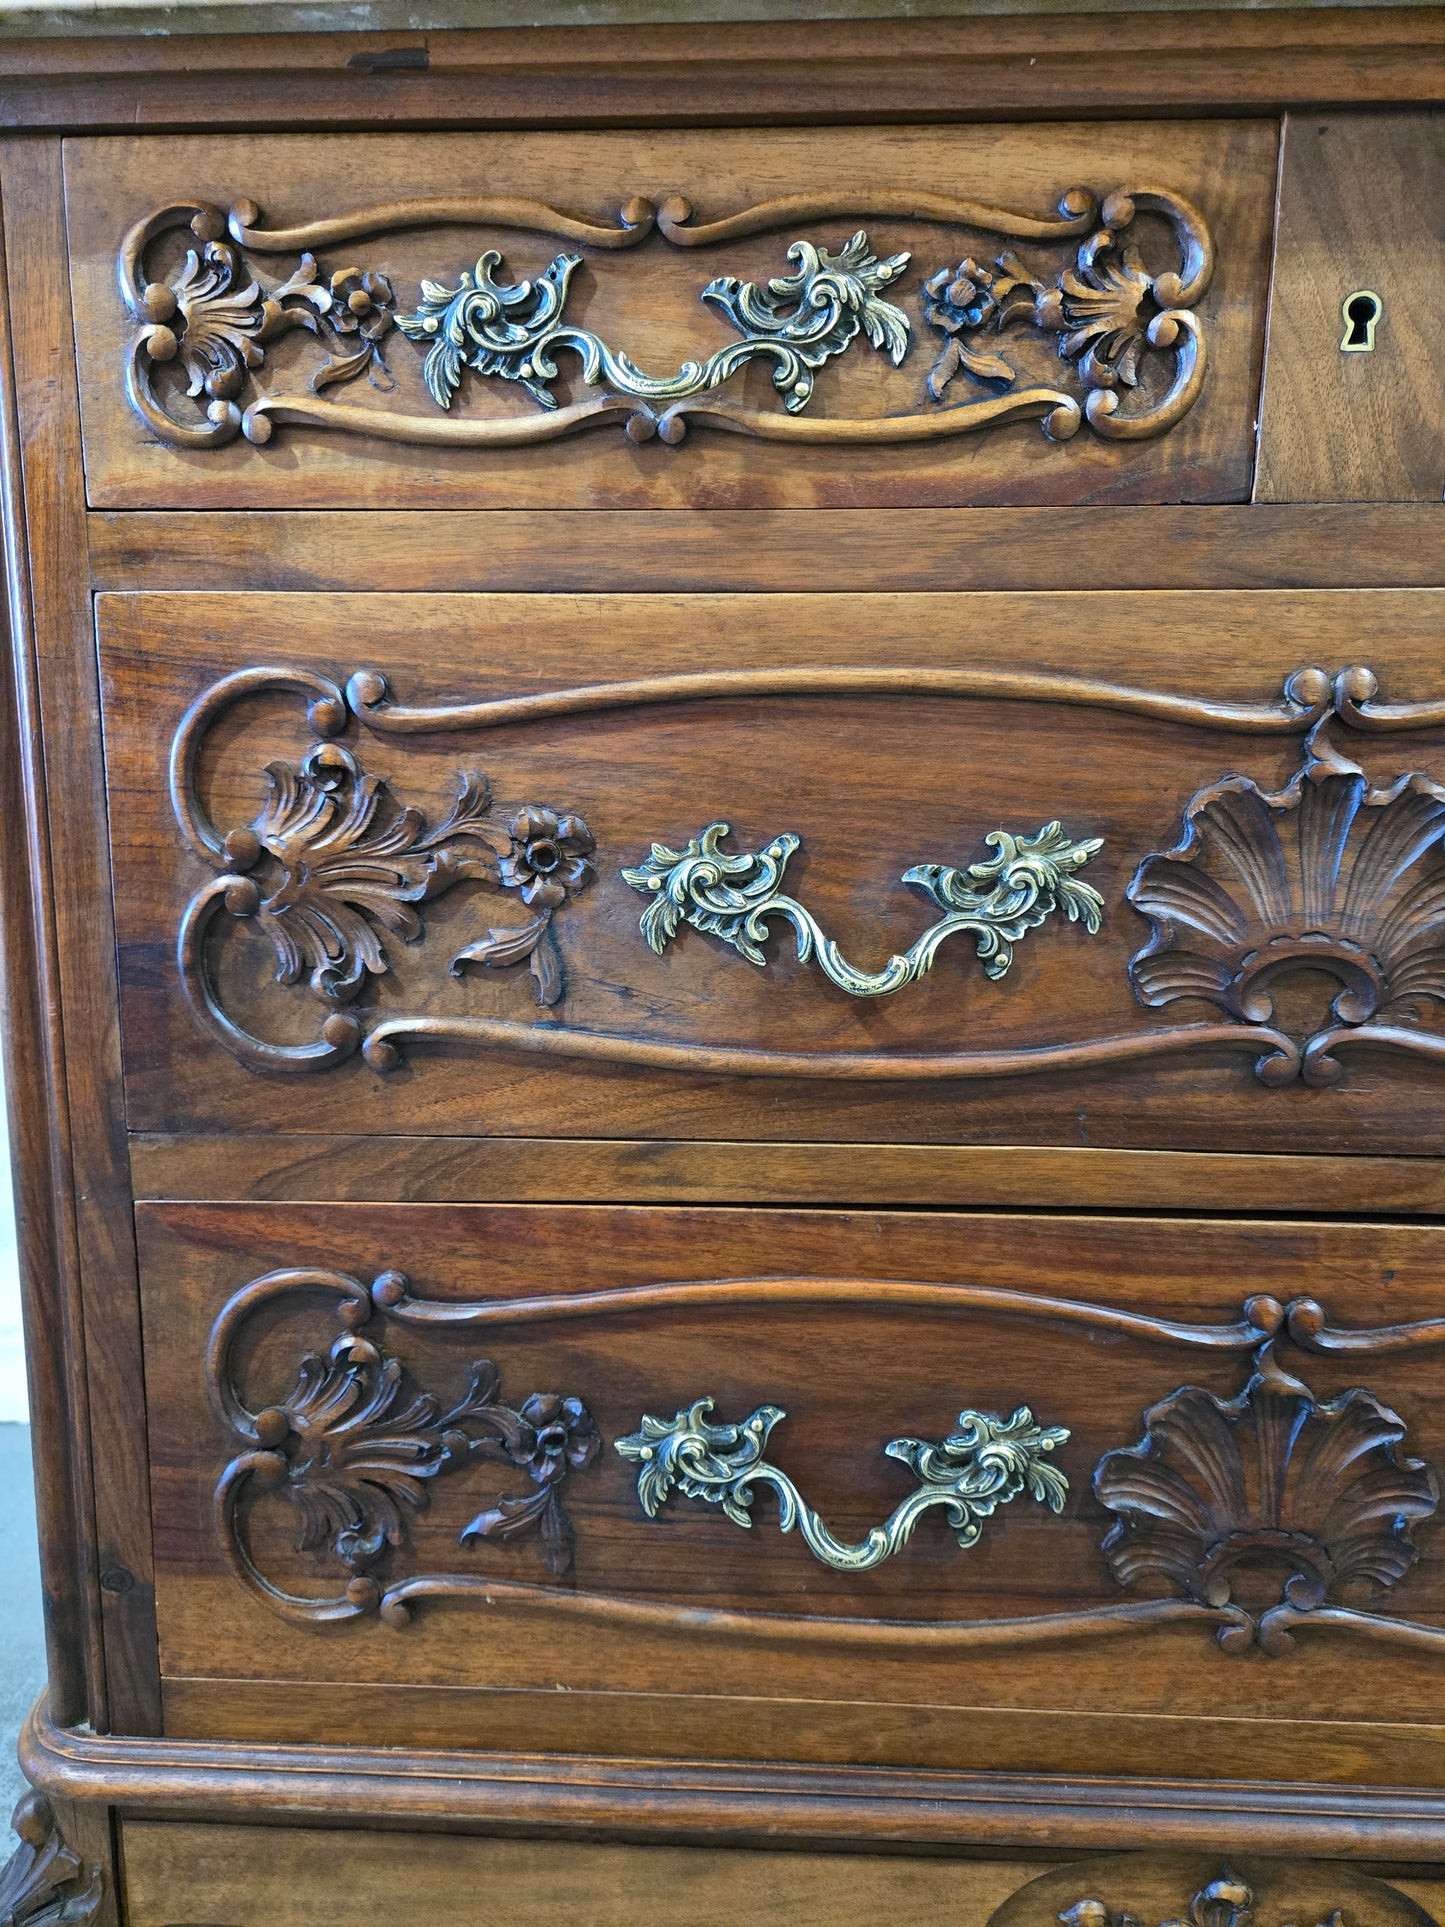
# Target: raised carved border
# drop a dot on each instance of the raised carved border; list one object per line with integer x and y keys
{"x": 1107, "y": 311}
{"x": 1264, "y": 1324}
{"x": 1310, "y": 699}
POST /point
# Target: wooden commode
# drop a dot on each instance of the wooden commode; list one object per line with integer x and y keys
{"x": 724, "y": 955}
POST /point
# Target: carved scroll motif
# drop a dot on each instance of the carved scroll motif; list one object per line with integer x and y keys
{"x": 354, "y": 1454}
{"x": 1330, "y": 874}
{"x": 217, "y": 316}
{"x": 1255, "y": 1517}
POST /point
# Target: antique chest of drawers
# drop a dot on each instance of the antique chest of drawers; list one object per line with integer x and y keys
{"x": 725, "y": 970}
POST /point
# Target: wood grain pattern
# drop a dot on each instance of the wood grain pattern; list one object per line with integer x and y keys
{"x": 1125, "y": 778}
{"x": 718, "y": 1804}
{"x": 645, "y": 301}
{"x": 1359, "y": 208}
{"x": 336, "y": 1169}
{"x": 83, "y": 1092}
{"x": 753, "y": 74}
{"x": 641, "y": 1234}
{"x": 626, "y": 1359}
{"x": 1399, "y": 1761}
{"x": 1388, "y": 546}
{"x": 33, "y": 1045}
{"x": 530, "y": 1883}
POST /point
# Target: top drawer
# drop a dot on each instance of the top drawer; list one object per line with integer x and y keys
{"x": 795, "y": 317}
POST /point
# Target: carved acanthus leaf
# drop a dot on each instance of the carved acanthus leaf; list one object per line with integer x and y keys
{"x": 1106, "y": 309}
{"x": 353, "y": 1449}
{"x": 43, "y": 1884}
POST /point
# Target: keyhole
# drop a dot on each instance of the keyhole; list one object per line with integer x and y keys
{"x": 1362, "y": 317}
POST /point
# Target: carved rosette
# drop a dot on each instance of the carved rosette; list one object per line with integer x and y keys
{"x": 216, "y": 313}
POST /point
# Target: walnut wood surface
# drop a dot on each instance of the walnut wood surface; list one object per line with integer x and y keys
{"x": 1388, "y": 546}
{"x": 529, "y": 1883}
{"x": 96, "y": 1253}
{"x": 937, "y": 1713}
{"x": 33, "y": 1046}
{"x": 823, "y": 71}
{"x": 1359, "y": 209}
{"x": 645, "y": 301}
{"x": 836, "y": 769}
{"x": 459, "y": 1170}
{"x": 721, "y": 1804}
{"x": 891, "y": 1737}
{"x": 866, "y": 1379}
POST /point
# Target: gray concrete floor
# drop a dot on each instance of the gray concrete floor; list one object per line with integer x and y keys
{"x": 22, "y": 1636}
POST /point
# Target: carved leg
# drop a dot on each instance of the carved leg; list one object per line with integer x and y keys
{"x": 44, "y": 1883}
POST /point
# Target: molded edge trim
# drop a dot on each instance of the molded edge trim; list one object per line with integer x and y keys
{"x": 759, "y": 1803}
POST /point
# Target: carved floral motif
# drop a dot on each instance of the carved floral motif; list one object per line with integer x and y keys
{"x": 332, "y": 867}
{"x": 353, "y": 1450}
{"x": 344, "y": 877}
{"x": 218, "y": 314}
{"x": 1108, "y": 311}
{"x": 1314, "y": 1493}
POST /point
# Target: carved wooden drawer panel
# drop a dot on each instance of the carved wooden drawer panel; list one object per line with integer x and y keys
{"x": 724, "y": 969}
{"x": 875, "y": 300}
{"x": 469, "y": 863}
{"x": 1051, "y": 1487}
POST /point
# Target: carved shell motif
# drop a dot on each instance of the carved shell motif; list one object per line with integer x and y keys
{"x": 1272, "y": 1479}
{"x": 1327, "y": 874}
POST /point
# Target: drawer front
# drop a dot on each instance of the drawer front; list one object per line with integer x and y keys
{"x": 405, "y": 1877}
{"x": 889, "y": 868}
{"x": 930, "y": 1490}
{"x": 792, "y": 317}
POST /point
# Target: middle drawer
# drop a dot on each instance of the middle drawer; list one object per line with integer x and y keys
{"x": 515, "y": 1476}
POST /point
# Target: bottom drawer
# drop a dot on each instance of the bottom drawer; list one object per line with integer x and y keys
{"x": 1028, "y": 1494}
{"x": 292, "y": 1877}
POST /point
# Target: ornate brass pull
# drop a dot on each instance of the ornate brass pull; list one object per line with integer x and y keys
{"x": 978, "y": 1468}
{"x": 996, "y": 902}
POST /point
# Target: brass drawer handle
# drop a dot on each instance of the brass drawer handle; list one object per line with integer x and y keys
{"x": 974, "y": 1471}
{"x": 998, "y": 901}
